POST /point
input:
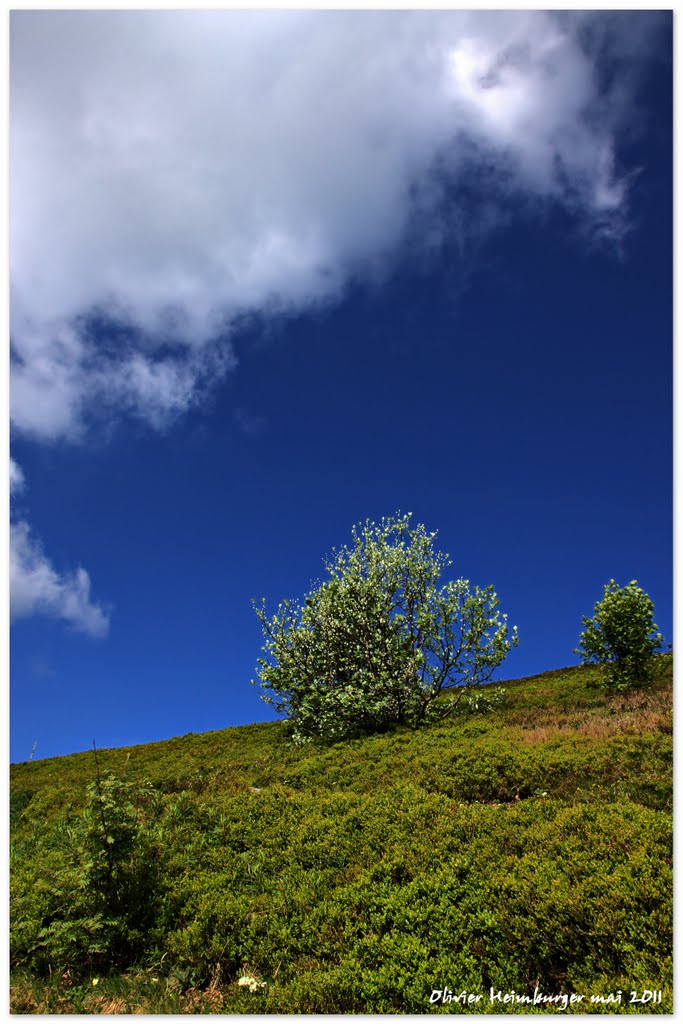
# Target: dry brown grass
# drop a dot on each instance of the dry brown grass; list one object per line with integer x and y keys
{"x": 635, "y": 713}
{"x": 208, "y": 1000}
{"x": 101, "y": 1004}
{"x": 22, "y": 999}
{"x": 30, "y": 997}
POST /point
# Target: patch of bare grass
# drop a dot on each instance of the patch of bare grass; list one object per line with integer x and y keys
{"x": 23, "y": 1000}
{"x": 637, "y": 712}
{"x": 103, "y": 1004}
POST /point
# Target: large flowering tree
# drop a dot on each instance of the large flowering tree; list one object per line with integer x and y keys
{"x": 381, "y": 639}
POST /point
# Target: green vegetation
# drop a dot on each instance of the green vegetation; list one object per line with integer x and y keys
{"x": 526, "y": 847}
{"x": 622, "y": 635}
{"x": 378, "y": 643}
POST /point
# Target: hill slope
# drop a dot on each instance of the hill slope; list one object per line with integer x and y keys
{"x": 526, "y": 849}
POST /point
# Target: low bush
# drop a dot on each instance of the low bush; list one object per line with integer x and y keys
{"x": 85, "y": 897}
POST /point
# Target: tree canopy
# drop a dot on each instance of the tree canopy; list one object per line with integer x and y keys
{"x": 378, "y": 641}
{"x": 622, "y": 635}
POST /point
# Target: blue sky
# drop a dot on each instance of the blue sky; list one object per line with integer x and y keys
{"x": 272, "y": 274}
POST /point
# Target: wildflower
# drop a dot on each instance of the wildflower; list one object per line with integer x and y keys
{"x": 96, "y": 981}
{"x": 250, "y": 982}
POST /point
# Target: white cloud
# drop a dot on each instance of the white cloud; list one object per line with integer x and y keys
{"x": 16, "y": 477}
{"x": 35, "y": 586}
{"x": 176, "y": 170}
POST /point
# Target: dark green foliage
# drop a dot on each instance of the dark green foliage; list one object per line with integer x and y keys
{"x": 527, "y": 846}
{"x": 86, "y": 896}
{"x": 622, "y": 635}
{"x": 19, "y": 800}
{"x": 380, "y": 641}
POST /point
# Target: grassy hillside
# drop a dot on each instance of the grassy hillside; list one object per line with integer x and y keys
{"x": 526, "y": 849}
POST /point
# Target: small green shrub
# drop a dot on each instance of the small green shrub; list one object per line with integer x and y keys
{"x": 88, "y": 898}
{"x": 622, "y": 635}
{"x": 18, "y": 802}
